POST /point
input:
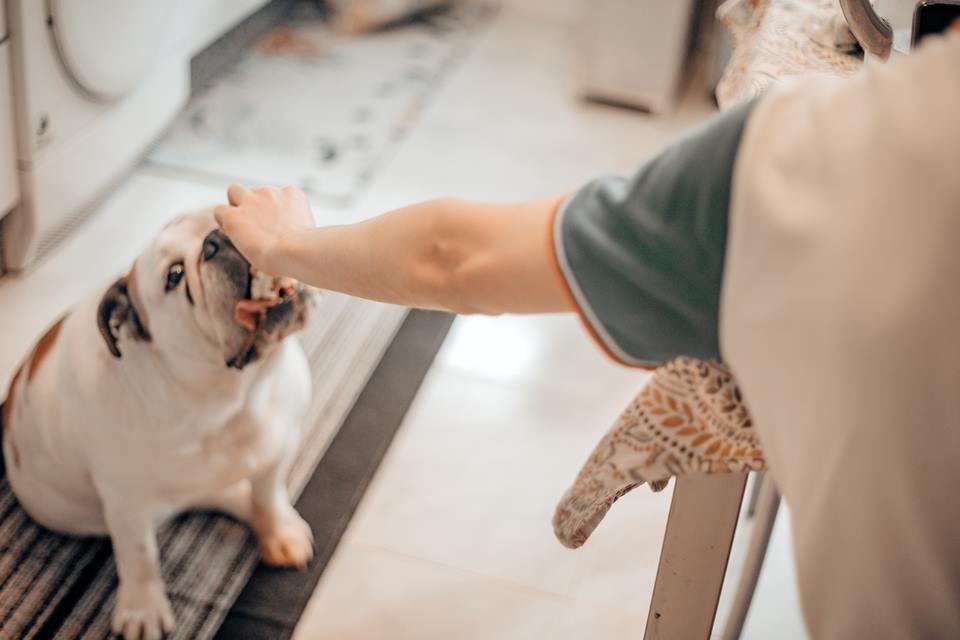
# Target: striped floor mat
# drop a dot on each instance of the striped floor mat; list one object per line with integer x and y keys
{"x": 52, "y": 586}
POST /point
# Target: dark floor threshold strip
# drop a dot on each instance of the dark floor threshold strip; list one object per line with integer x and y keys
{"x": 273, "y": 600}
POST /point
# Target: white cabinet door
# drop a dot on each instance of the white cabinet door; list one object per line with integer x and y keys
{"x": 8, "y": 172}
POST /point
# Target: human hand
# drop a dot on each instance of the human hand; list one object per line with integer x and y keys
{"x": 260, "y": 221}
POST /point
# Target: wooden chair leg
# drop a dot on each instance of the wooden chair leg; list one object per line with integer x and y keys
{"x": 767, "y": 507}
{"x": 693, "y": 560}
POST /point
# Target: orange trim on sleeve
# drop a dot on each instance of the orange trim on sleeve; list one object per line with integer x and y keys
{"x": 568, "y": 292}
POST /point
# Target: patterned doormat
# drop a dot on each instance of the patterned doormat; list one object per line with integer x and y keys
{"x": 53, "y": 586}
{"x": 321, "y": 110}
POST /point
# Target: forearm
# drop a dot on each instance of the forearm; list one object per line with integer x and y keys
{"x": 461, "y": 256}
{"x": 376, "y": 259}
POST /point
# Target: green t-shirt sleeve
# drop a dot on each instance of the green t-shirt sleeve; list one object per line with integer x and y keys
{"x": 643, "y": 256}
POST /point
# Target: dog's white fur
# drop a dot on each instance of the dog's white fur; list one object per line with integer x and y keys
{"x": 102, "y": 444}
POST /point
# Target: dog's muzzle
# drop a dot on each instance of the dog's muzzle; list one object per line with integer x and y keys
{"x": 268, "y": 308}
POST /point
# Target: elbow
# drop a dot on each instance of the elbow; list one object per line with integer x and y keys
{"x": 446, "y": 267}
{"x": 460, "y": 288}
{"x": 442, "y": 277}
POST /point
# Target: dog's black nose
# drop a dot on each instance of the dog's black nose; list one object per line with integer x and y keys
{"x": 210, "y": 248}
{"x": 212, "y": 244}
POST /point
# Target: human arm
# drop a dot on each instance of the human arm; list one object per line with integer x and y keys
{"x": 458, "y": 255}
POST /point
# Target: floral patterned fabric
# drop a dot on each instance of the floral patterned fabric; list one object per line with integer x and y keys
{"x": 689, "y": 418}
{"x": 777, "y": 39}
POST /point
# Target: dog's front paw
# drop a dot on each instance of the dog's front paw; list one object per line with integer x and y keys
{"x": 143, "y": 612}
{"x": 286, "y": 542}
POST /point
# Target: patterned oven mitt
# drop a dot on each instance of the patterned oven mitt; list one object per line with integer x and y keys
{"x": 689, "y": 418}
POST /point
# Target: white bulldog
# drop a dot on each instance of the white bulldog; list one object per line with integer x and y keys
{"x": 173, "y": 391}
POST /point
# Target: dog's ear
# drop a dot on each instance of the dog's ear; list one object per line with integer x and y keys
{"x": 115, "y": 310}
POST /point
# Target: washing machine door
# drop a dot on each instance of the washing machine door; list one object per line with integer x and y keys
{"x": 108, "y": 45}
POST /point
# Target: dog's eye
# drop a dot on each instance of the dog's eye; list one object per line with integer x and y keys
{"x": 174, "y": 276}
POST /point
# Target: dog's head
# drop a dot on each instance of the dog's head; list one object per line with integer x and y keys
{"x": 188, "y": 296}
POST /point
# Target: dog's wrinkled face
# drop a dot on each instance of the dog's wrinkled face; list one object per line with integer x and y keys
{"x": 182, "y": 295}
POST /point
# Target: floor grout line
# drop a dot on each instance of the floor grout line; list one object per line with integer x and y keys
{"x": 350, "y": 545}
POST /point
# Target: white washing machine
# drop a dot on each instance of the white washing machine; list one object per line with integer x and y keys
{"x": 9, "y": 191}
{"x": 95, "y": 82}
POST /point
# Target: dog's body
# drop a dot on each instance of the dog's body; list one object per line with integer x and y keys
{"x": 165, "y": 447}
{"x": 138, "y": 406}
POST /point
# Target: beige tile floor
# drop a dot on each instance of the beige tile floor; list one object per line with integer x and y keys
{"x": 453, "y": 539}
